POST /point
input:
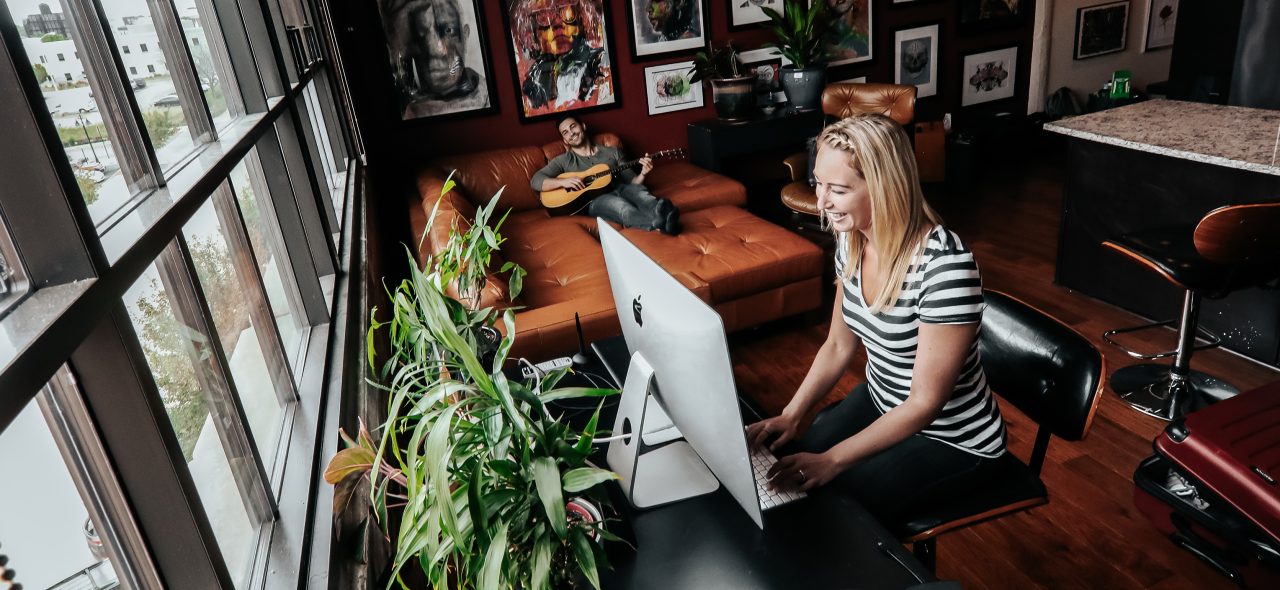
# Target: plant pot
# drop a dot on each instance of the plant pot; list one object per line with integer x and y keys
{"x": 735, "y": 98}
{"x": 804, "y": 86}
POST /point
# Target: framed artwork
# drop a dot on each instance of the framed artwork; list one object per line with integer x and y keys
{"x": 849, "y": 36}
{"x": 1162, "y": 18}
{"x": 666, "y": 26}
{"x": 766, "y": 64}
{"x": 748, "y": 12}
{"x": 858, "y": 80}
{"x": 560, "y": 50}
{"x": 438, "y": 62}
{"x": 669, "y": 88}
{"x": 1101, "y": 29}
{"x": 989, "y": 76}
{"x": 980, "y": 16}
{"x": 916, "y": 59}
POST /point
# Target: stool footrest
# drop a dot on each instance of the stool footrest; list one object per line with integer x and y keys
{"x": 1213, "y": 340}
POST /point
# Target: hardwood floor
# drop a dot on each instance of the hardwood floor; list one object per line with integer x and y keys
{"x": 1090, "y": 535}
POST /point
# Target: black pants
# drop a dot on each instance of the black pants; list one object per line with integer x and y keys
{"x": 890, "y": 484}
{"x": 632, "y": 205}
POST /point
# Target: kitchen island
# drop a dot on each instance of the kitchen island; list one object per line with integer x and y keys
{"x": 1164, "y": 163}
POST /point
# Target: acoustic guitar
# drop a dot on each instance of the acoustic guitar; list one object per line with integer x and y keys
{"x": 595, "y": 180}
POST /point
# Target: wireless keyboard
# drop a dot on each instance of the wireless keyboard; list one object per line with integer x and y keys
{"x": 761, "y": 461}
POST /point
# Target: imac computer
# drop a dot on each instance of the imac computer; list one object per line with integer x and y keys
{"x": 680, "y": 362}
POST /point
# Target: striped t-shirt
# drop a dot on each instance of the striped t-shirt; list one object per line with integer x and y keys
{"x": 942, "y": 286}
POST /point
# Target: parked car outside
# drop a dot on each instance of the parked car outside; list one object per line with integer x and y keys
{"x": 168, "y": 100}
{"x": 136, "y": 83}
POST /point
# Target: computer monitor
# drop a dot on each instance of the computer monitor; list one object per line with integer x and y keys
{"x": 677, "y": 342}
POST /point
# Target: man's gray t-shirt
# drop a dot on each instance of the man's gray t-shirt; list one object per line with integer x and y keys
{"x": 572, "y": 162}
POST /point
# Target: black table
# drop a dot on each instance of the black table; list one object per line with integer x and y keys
{"x": 713, "y": 142}
{"x": 824, "y": 541}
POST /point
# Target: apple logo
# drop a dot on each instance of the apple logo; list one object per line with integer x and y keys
{"x": 636, "y": 308}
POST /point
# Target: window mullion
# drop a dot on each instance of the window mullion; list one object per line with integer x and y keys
{"x": 246, "y": 268}
{"x": 272, "y": 16}
{"x": 307, "y": 191}
{"x": 311, "y": 148}
{"x": 271, "y": 169}
{"x": 120, "y": 110}
{"x": 214, "y": 376}
{"x": 182, "y": 70}
{"x": 239, "y": 54}
{"x": 228, "y": 34}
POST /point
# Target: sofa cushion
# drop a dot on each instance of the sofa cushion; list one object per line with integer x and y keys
{"x": 692, "y": 188}
{"x": 486, "y": 172}
{"x": 561, "y": 259}
{"x": 733, "y": 251}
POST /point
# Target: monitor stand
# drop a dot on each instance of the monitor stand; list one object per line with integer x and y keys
{"x": 660, "y": 476}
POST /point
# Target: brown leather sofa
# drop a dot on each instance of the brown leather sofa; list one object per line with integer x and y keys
{"x": 751, "y": 271}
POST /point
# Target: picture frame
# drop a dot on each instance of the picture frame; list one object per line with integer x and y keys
{"x": 982, "y": 16}
{"x": 539, "y": 63}
{"x": 1162, "y": 20}
{"x": 1101, "y": 29}
{"x": 668, "y": 88}
{"x": 423, "y": 88}
{"x": 766, "y": 64}
{"x": 858, "y": 80}
{"x": 850, "y": 36}
{"x": 747, "y": 14}
{"x": 683, "y": 27}
{"x": 989, "y": 76}
{"x": 915, "y": 58}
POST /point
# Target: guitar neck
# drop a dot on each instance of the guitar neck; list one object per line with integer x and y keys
{"x": 631, "y": 163}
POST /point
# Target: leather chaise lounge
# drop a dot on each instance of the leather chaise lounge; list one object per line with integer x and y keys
{"x": 751, "y": 271}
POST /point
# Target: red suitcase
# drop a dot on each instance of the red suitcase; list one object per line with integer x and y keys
{"x": 1229, "y": 453}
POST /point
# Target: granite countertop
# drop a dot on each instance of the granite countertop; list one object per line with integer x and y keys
{"x": 1235, "y": 137}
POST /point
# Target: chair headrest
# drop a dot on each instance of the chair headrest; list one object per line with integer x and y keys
{"x": 896, "y": 101}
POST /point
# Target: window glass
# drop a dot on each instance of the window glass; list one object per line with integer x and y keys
{"x": 165, "y": 118}
{"x": 46, "y": 532}
{"x": 213, "y": 73}
{"x": 268, "y": 249}
{"x": 225, "y": 290}
{"x": 171, "y": 348}
{"x": 75, "y": 111}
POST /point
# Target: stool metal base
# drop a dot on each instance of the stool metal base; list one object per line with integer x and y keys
{"x": 1155, "y": 391}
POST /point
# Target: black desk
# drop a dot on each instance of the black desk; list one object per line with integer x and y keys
{"x": 824, "y": 541}
{"x": 712, "y": 142}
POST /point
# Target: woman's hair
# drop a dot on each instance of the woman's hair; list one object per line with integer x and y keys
{"x": 881, "y": 153}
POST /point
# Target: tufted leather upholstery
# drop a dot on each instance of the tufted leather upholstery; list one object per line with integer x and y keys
{"x": 896, "y": 101}
{"x": 748, "y": 269}
{"x": 1054, "y": 376}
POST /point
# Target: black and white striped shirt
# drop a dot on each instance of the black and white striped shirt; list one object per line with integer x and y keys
{"x": 942, "y": 286}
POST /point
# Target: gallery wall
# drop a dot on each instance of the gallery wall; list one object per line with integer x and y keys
{"x": 405, "y": 144}
{"x": 1085, "y": 76}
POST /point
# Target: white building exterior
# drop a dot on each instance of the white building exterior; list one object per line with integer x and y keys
{"x": 138, "y": 43}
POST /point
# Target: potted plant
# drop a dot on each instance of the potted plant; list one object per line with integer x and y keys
{"x": 732, "y": 92}
{"x": 800, "y": 32}
{"x": 471, "y": 474}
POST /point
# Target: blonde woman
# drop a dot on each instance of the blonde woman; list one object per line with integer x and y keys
{"x": 912, "y": 295}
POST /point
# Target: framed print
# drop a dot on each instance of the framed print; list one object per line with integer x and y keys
{"x": 1101, "y": 29}
{"x": 665, "y": 26}
{"x": 438, "y": 61}
{"x": 748, "y": 12}
{"x": 1162, "y": 17}
{"x": 849, "y": 36}
{"x": 989, "y": 76}
{"x": 916, "y": 59}
{"x": 561, "y": 56}
{"x": 858, "y": 80}
{"x": 669, "y": 88}
{"x": 766, "y": 65}
{"x": 980, "y": 16}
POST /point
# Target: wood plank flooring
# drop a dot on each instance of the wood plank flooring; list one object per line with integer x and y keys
{"x": 1090, "y": 535}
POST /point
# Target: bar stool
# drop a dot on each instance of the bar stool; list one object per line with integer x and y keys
{"x": 1231, "y": 248}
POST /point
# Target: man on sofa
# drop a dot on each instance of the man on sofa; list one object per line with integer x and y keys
{"x": 625, "y": 200}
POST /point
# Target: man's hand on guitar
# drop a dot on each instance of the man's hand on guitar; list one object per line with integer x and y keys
{"x": 573, "y": 184}
{"x": 646, "y": 165}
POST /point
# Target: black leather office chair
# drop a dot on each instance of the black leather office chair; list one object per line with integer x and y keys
{"x": 1049, "y": 372}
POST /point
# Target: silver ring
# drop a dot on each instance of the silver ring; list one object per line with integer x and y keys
{"x": 801, "y": 472}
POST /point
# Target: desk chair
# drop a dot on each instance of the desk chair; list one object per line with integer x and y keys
{"x": 1231, "y": 248}
{"x": 839, "y": 101}
{"x": 1053, "y": 375}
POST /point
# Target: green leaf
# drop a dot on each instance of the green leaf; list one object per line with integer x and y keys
{"x": 575, "y": 392}
{"x": 505, "y": 467}
{"x": 576, "y": 480}
{"x": 346, "y": 462}
{"x": 491, "y": 574}
{"x": 583, "y": 445}
{"x": 479, "y": 517}
{"x": 585, "y": 554}
{"x": 543, "y": 549}
{"x": 546, "y": 477}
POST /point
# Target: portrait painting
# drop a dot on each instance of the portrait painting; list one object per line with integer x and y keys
{"x": 977, "y": 16}
{"x": 1101, "y": 29}
{"x": 749, "y": 12}
{"x": 849, "y": 36}
{"x": 989, "y": 76}
{"x": 665, "y": 26}
{"x": 438, "y": 61}
{"x": 669, "y": 88}
{"x": 1162, "y": 19}
{"x": 561, "y": 56}
{"x": 916, "y": 59}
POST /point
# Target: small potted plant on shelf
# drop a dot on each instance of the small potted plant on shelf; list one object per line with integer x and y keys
{"x": 473, "y": 477}
{"x": 800, "y": 32}
{"x": 732, "y": 92}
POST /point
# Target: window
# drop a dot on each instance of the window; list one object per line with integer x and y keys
{"x": 124, "y": 48}
{"x": 151, "y": 68}
{"x": 44, "y": 60}
{"x": 195, "y": 41}
{"x": 133, "y": 70}
{"x": 13, "y": 279}
{"x": 143, "y": 46}
{"x": 62, "y": 57}
{"x": 68, "y": 75}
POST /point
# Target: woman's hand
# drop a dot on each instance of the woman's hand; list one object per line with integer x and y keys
{"x": 804, "y": 471}
{"x": 781, "y": 429}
